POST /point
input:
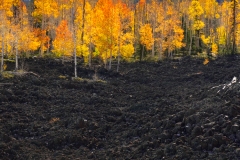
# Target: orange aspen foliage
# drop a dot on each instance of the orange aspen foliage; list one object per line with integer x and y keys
{"x": 42, "y": 38}
{"x": 63, "y": 43}
{"x": 106, "y": 29}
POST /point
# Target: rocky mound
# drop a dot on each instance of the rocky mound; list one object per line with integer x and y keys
{"x": 162, "y": 110}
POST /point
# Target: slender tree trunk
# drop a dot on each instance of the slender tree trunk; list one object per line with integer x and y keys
{"x": 48, "y": 49}
{"x": 118, "y": 61}
{"x": 2, "y": 52}
{"x": 190, "y": 44}
{"x": 75, "y": 58}
{"x": 83, "y": 23}
{"x": 74, "y": 39}
{"x": 16, "y": 58}
{"x": 186, "y": 31}
{"x": 83, "y": 20}
{"x": 118, "y": 57}
{"x": 234, "y": 28}
{"x": 74, "y": 50}
{"x": 110, "y": 60}
{"x": 197, "y": 38}
{"x": 63, "y": 56}
{"x": 160, "y": 50}
{"x": 142, "y": 53}
{"x": 153, "y": 46}
{"x": 105, "y": 64}
{"x": 90, "y": 55}
{"x": 42, "y": 34}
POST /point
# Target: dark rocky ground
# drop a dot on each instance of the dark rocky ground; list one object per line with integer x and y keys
{"x": 147, "y": 111}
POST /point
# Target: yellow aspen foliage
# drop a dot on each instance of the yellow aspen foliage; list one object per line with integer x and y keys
{"x": 146, "y": 37}
{"x": 210, "y": 8}
{"x": 127, "y": 51}
{"x": 6, "y": 8}
{"x": 198, "y": 24}
{"x": 206, "y": 40}
{"x": 221, "y": 35}
{"x": 83, "y": 50}
{"x": 63, "y": 43}
{"x": 82, "y": 47}
{"x": 125, "y": 48}
{"x": 195, "y": 12}
{"x": 217, "y": 15}
{"x": 24, "y": 15}
{"x": 7, "y": 39}
{"x": 126, "y": 45}
{"x": 206, "y": 61}
{"x": 46, "y": 7}
{"x": 178, "y": 37}
{"x": 195, "y": 9}
{"x": 28, "y": 41}
{"x": 214, "y": 48}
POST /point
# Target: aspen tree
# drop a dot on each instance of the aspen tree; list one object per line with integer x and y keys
{"x": 45, "y": 10}
{"x": 195, "y": 13}
{"x": 233, "y": 33}
{"x": 125, "y": 48}
{"x": 5, "y": 13}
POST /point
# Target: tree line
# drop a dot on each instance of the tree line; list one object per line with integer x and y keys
{"x": 112, "y": 30}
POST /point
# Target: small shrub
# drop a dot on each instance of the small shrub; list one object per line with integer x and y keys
{"x": 53, "y": 120}
{"x": 62, "y": 77}
{"x": 7, "y": 75}
{"x": 206, "y": 61}
{"x": 79, "y": 79}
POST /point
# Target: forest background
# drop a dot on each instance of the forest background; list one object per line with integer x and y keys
{"x": 112, "y": 30}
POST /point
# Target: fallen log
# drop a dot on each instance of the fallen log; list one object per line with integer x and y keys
{"x": 22, "y": 73}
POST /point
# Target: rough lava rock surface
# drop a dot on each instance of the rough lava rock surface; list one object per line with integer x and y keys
{"x": 156, "y": 111}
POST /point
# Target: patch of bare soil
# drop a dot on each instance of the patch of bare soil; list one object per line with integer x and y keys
{"x": 156, "y": 111}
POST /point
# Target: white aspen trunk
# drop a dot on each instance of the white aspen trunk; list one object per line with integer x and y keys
{"x": 190, "y": 45}
{"x": 186, "y": 33}
{"x": 90, "y": 54}
{"x": 118, "y": 61}
{"x": 42, "y": 45}
{"x": 118, "y": 57}
{"x": 75, "y": 58}
{"x": 105, "y": 64}
{"x": 16, "y": 58}
{"x": 63, "y": 56}
{"x": 160, "y": 52}
{"x": 110, "y": 60}
{"x": 2, "y": 52}
{"x": 161, "y": 48}
{"x": 153, "y": 46}
{"x": 142, "y": 53}
{"x": 48, "y": 49}
{"x": 74, "y": 41}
